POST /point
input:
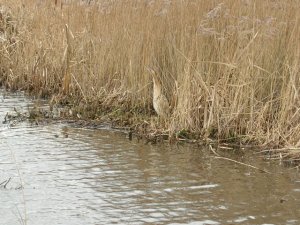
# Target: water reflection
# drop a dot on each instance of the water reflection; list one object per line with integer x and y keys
{"x": 80, "y": 176}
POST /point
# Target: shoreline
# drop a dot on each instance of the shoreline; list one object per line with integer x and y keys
{"x": 39, "y": 115}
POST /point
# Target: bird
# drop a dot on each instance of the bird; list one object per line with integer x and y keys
{"x": 160, "y": 102}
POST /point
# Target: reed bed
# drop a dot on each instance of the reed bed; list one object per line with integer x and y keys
{"x": 230, "y": 69}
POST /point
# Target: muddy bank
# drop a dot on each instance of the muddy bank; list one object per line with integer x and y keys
{"x": 40, "y": 114}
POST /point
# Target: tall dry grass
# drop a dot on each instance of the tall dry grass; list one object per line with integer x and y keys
{"x": 230, "y": 69}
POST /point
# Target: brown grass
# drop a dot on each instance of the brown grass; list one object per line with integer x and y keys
{"x": 230, "y": 69}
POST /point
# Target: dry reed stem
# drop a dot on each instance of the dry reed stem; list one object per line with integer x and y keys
{"x": 241, "y": 163}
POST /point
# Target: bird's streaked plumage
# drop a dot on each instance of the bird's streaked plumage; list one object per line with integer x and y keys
{"x": 160, "y": 102}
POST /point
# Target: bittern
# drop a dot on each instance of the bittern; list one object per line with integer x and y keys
{"x": 160, "y": 102}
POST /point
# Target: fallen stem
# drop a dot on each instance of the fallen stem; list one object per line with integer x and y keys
{"x": 4, "y": 186}
{"x": 244, "y": 164}
{"x": 3, "y": 182}
{"x": 212, "y": 149}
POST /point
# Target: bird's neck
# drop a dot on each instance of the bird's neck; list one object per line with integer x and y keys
{"x": 156, "y": 88}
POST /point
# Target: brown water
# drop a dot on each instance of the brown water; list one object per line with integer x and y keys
{"x": 80, "y": 176}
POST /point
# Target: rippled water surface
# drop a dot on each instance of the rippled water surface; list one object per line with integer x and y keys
{"x": 80, "y": 176}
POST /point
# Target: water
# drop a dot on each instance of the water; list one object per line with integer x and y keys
{"x": 80, "y": 176}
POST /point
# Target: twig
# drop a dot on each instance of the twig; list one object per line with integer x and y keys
{"x": 244, "y": 164}
{"x": 4, "y": 186}
{"x": 212, "y": 149}
{"x": 24, "y": 220}
{"x": 224, "y": 147}
{"x": 3, "y": 182}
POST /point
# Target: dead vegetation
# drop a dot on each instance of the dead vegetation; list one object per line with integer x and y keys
{"x": 230, "y": 70}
